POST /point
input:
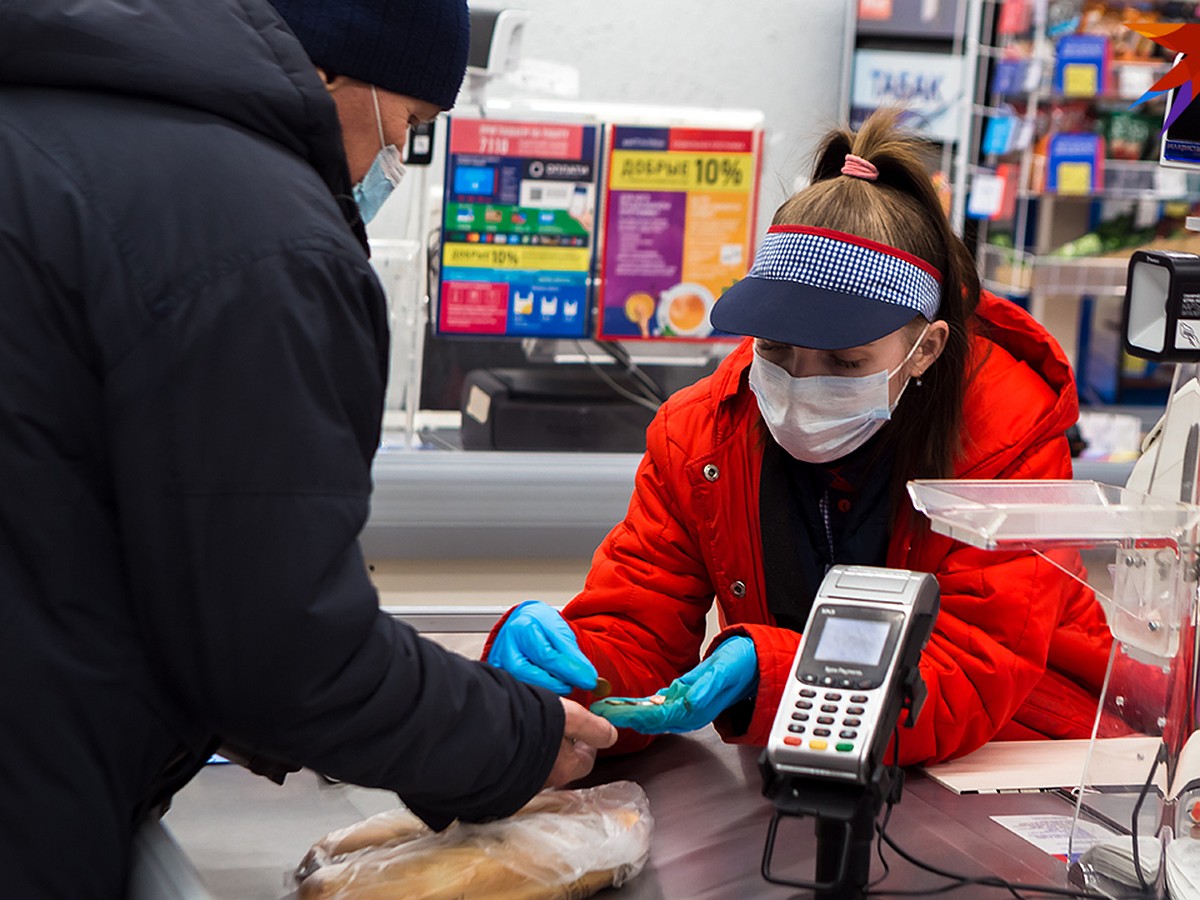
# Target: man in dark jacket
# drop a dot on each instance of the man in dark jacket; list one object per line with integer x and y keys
{"x": 192, "y": 365}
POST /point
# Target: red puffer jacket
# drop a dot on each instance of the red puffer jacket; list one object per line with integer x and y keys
{"x": 1019, "y": 648}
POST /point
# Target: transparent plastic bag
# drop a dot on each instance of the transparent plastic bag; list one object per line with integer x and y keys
{"x": 562, "y": 845}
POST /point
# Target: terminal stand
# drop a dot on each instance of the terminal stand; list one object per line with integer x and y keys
{"x": 845, "y": 827}
{"x": 845, "y": 814}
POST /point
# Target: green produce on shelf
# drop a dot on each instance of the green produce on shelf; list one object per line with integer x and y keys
{"x": 1108, "y": 237}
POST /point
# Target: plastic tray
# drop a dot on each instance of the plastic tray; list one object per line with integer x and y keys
{"x": 1025, "y": 515}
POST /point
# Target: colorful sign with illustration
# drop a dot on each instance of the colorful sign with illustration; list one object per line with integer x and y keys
{"x": 1182, "y": 39}
{"x": 678, "y": 227}
{"x": 518, "y": 233}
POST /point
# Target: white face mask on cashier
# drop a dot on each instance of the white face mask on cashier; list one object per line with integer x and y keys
{"x": 820, "y": 418}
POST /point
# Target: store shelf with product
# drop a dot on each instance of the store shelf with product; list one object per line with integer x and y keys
{"x": 1065, "y": 182}
{"x": 1094, "y": 263}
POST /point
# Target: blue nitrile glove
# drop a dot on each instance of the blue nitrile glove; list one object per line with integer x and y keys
{"x": 692, "y": 700}
{"x": 538, "y": 647}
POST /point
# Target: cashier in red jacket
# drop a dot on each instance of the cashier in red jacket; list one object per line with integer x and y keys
{"x": 872, "y": 358}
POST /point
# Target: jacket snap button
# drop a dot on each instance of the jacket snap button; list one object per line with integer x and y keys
{"x": 738, "y": 589}
{"x": 711, "y": 472}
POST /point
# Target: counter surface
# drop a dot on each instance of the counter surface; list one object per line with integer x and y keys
{"x": 245, "y": 834}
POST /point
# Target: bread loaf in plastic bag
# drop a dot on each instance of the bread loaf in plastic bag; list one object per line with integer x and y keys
{"x": 562, "y": 845}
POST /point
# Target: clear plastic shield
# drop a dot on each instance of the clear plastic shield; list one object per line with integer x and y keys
{"x": 1137, "y": 786}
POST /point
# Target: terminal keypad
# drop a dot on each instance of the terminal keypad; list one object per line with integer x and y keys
{"x": 838, "y": 712}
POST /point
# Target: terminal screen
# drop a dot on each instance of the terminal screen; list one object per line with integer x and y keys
{"x": 849, "y": 640}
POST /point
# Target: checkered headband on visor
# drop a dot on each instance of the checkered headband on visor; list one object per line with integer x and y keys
{"x": 814, "y": 287}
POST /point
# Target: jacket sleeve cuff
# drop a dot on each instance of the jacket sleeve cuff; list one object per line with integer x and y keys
{"x": 540, "y": 711}
{"x": 775, "y": 648}
{"x": 491, "y": 638}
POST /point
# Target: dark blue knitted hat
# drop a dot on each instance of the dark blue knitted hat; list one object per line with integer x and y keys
{"x": 412, "y": 47}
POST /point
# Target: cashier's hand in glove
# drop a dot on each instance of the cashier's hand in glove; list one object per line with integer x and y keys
{"x": 536, "y": 645}
{"x": 583, "y": 735}
{"x": 693, "y": 700}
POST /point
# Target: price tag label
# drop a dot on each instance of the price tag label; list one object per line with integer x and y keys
{"x": 1170, "y": 183}
{"x": 1024, "y": 135}
{"x": 877, "y": 10}
{"x": 1146, "y": 213}
{"x": 987, "y": 194}
{"x": 1033, "y": 75}
{"x": 1134, "y": 79}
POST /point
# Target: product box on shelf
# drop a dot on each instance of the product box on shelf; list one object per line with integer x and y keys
{"x": 1009, "y": 76}
{"x": 1075, "y": 163}
{"x": 994, "y": 194}
{"x": 1081, "y": 65}
{"x": 1016, "y": 16}
{"x": 998, "y": 134}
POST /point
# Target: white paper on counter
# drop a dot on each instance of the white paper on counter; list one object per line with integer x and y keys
{"x": 1052, "y": 834}
{"x": 1044, "y": 765}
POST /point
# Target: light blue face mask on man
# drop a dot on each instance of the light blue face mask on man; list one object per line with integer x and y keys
{"x": 384, "y": 175}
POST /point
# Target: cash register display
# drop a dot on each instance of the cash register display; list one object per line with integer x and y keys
{"x": 852, "y": 640}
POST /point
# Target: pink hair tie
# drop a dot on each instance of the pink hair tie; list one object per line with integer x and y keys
{"x": 857, "y": 167}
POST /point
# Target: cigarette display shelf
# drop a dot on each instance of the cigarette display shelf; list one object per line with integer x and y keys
{"x": 1027, "y": 227}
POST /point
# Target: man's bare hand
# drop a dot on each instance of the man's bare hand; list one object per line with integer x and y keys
{"x": 583, "y": 735}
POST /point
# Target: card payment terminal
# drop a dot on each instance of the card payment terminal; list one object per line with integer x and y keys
{"x": 856, "y": 662}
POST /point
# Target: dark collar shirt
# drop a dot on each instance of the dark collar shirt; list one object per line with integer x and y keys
{"x": 815, "y": 516}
